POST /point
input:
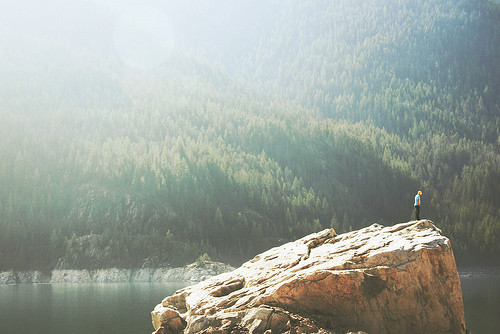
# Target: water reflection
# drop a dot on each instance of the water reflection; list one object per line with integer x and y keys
{"x": 81, "y": 308}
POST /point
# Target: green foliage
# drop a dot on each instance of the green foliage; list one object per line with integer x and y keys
{"x": 341, "y": 113}
{"x": 203, "y": 259}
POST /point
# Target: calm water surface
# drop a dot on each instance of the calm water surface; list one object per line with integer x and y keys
{"x": 108, "y": 308}
{"x": 482, "y": 303}
{"x": 125, "y": 308}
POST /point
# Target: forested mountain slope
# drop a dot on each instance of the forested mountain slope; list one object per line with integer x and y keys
{"x": 306, "y": 115}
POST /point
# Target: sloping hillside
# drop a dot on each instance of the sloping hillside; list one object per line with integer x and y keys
{"x": 303, "y": 116}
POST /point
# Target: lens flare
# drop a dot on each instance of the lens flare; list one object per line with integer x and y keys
{"x": 143, "y": 37}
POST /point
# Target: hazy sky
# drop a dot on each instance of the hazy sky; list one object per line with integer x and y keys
{"x": 142, "y": 33}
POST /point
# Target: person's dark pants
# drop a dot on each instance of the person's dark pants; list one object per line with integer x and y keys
{"x": 417, "y": 212}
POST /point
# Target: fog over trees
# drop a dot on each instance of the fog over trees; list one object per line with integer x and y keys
{"x": 153, "y": 132}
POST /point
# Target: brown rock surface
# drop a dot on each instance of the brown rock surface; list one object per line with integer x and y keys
{"x": 397, "y": 279}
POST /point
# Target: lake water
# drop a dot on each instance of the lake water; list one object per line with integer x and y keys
{"x": 107, "y": 308}
{"x": 125, "y": 308}
{"x": 481, "y": 296}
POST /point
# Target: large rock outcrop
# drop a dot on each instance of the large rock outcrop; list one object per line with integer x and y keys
{"x": 397, "y": 279}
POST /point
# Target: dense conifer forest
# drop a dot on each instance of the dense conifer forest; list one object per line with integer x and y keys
{"x": 268, "y": 121}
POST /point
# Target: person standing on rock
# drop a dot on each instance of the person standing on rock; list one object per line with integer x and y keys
{"x": 417, "y": 205}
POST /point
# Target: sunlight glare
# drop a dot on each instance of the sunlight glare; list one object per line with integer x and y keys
{"x": 143, "y": 37}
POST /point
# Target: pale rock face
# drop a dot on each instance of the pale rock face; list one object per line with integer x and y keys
{"x": 396, "y": 279}
{"x": 191, "y": 273}
{"x": 7, "y": 277}
{"x": 70, "y": 276}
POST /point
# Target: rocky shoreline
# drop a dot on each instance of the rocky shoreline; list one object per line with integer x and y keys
{"x": 190, "y": 273}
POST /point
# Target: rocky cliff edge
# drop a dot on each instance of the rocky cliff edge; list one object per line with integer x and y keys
{"x": 396, "y": 279}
